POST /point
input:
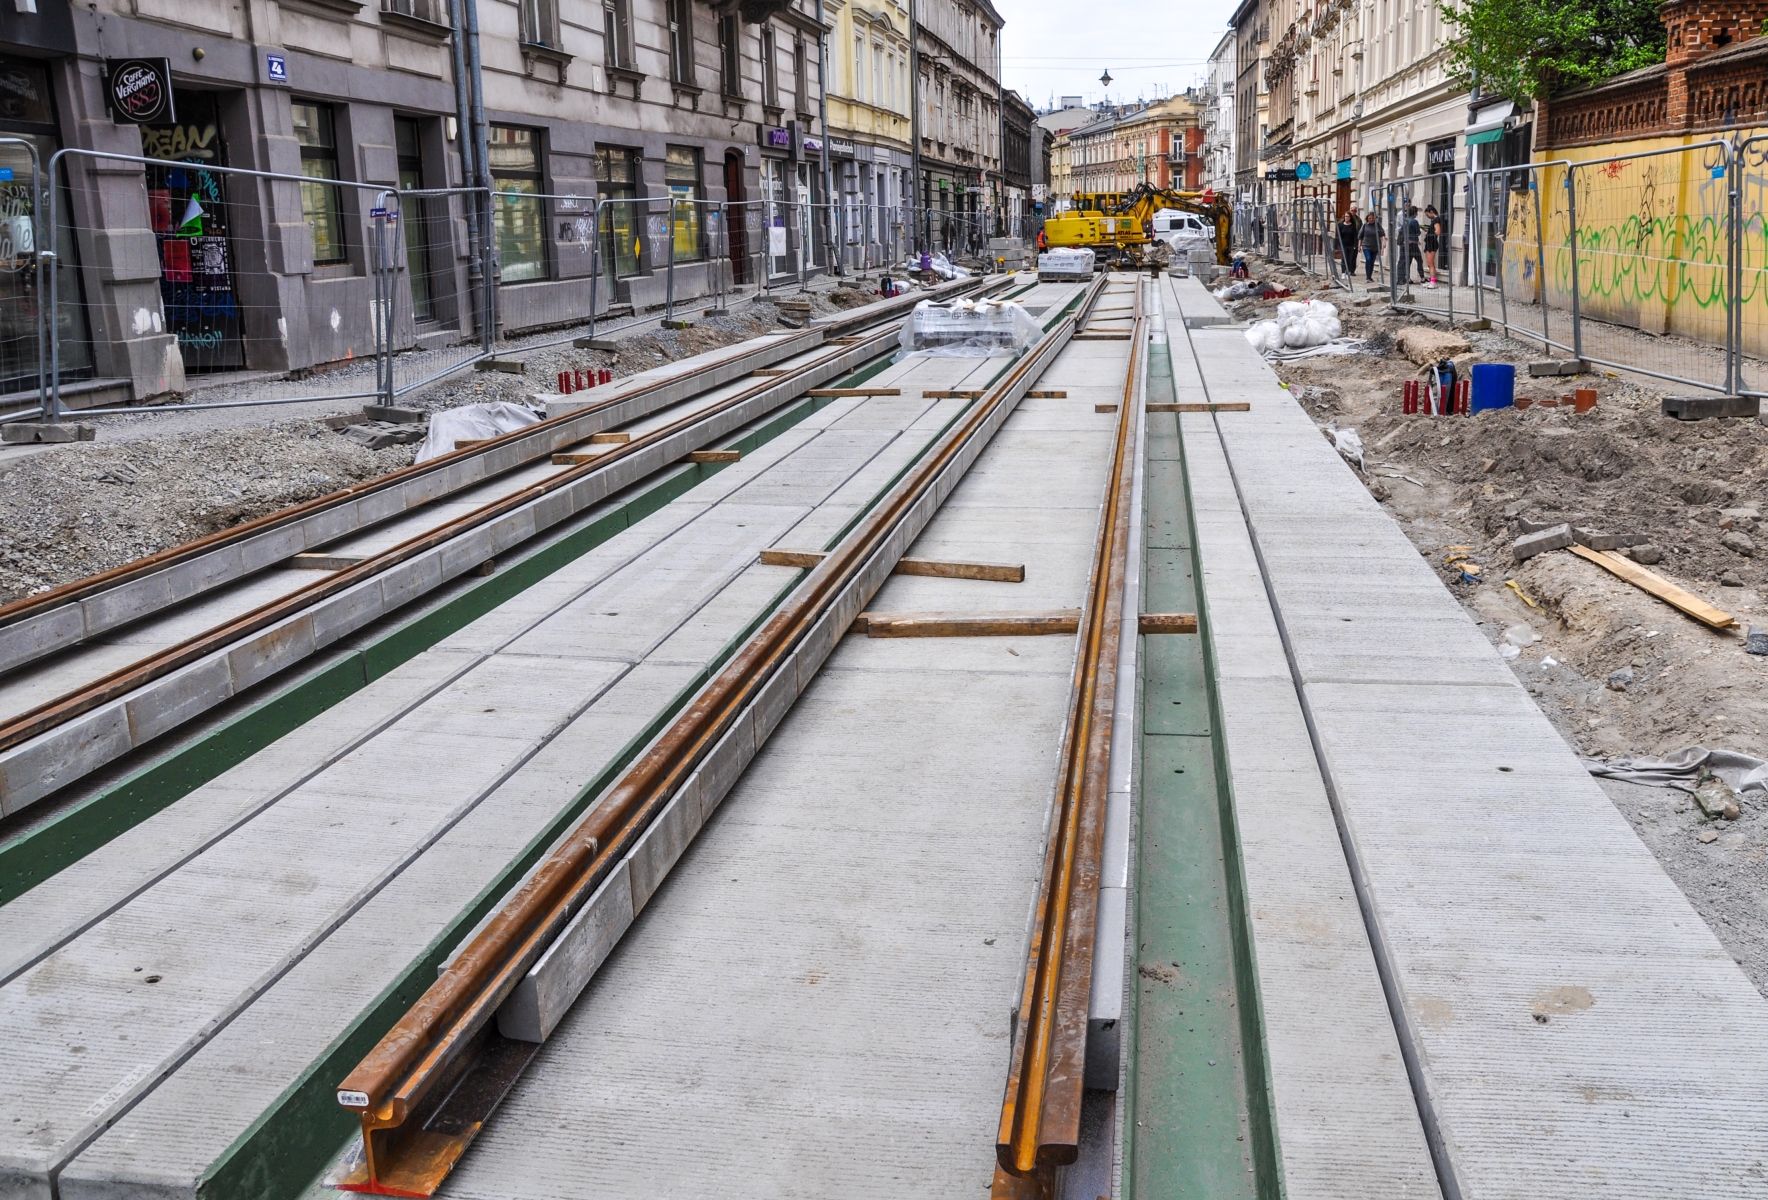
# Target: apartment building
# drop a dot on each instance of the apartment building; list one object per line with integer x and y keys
{"x": 1216, "y": 116}
{"x": 1251, "y": 26}
{"x": 871, "y": 119}
{"x": 1159, "y": 144}
{"x": 169, "y": 270}
{"x": 1021, "y": 160}
{"x": 958, "y": 56}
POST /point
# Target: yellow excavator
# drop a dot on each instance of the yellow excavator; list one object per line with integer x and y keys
{"x": 1119, "y": 226}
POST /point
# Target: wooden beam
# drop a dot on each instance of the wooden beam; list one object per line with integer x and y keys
{"x": 1101, "y": 337}
{"x": 991, "y": 572}
{"x": 1105, "y": 408}
{"x": 609, "y": 439}
{"x": 1167, "y": 623}
{"x": 971, "y": 394}
{"x": 856, "y": 391}
{"x": 1224, "y": 406}
{"x": 951, "y": 624}
{"x": 1047, "y": 395}
{"x": 1657, "y": 585}
{"x": 770, "y": 371}
{"x": 714, "y": 456}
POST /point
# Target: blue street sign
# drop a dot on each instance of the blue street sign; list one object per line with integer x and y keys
{"x": 276, "y": 67}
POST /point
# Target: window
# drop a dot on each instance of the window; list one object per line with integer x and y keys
{"x": 617, "y": 34}
{"x": 423, "y": 10}
{"x": 681, "y": 172}
{"x": 856, "y": 81}
{"x": 514, "y": 158}
{"x": 321, "y": 203}
{"x": 800, "y": 77}
{"x": 877, "y": 75}
{"x": 617, "y": 180}
{"x": 540, "y": 23}
{"x": 681, "y": 41}
{"x": 730, "y": 59}
{"x": 770, "y": 69}
{"x": 415, "y": 214}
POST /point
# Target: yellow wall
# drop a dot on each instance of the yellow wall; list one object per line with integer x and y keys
{"x": 1652, "y": 240}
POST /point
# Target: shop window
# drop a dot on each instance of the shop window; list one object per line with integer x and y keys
{"x": 321, "y": 203}
{"x": 617, "y": 186}
{"x": 681, "y": 172}
{"x": 27, "y": 112}
{"x": 514, "y": 157}
{"x": 681, "y": 41}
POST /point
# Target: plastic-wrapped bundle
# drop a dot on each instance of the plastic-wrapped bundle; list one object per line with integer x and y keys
{"x": 1300, "y": 324}
{"x": 1067, "y": 262}
{"x": 969, "y": 328}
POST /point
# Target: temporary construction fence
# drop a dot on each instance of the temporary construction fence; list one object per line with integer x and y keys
{"x": 306, "y": 287}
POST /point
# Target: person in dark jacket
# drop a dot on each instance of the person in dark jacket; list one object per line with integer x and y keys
{"x": 1410, "y": 233}
{"x": 1349, "y": 226}
{"x": 1371, "y": 236}
{"x": 1435, "y": 239}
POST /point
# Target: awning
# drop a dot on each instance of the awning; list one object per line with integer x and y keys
{"x": 1480, "y": 136}
{"x": 1488, "y": 125}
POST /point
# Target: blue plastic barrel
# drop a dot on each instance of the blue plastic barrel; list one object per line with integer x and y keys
{"x": 1494, "y": 385}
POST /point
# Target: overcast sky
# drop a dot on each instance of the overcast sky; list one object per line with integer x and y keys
{"x": 1061, "y": 47}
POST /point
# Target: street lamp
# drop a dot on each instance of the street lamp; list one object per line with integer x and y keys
{"x": 1105, "y": 79}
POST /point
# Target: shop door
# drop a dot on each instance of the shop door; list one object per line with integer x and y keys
{"x": 1344, "y": 198}
{"x": 737, "y": 217}
{"x": 188, "y": 207}
{"x": 408, "y": 135}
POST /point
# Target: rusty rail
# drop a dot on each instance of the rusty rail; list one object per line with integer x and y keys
{"x": 77, "y": 590}
{"x": 1041, "y": 1110}
{"x": 426, "y": 1089}
{"x": 121, "y": 682}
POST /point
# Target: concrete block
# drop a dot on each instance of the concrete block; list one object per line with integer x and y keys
{"x": 595, "y": 343}
{"x": 509, "y": 366}
{"x": 660, "y": 845}
{"x": 1558, "y": 366}
{"x": 1605, "y": 541}
{"x": 553, "y": 983}
{"x": 397, "y": 416}
{"x": 1557, "y": 537}
{"x": 18, "y": 432}
{"x": 1701, "y": 408}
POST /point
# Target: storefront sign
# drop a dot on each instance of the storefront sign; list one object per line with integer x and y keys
{"x": 140, "y": 90}
{"x": 1281, "y": 174}
{"x": 1304, "y": 170}
{"x": 1440, "y": 156}
{"x": 841, "y": 146}
{"x": 813, "y": 146}
{"x": 1344, "y": 168}
{"x": 775, "y": 138}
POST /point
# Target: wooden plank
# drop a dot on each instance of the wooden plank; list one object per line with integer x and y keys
{"x": 1167, "y": 623}
{"x": 971, "y": 394}
{"x": 1224, "y": 406}
{"x": 324, "y": 562}
{"x": 576, "y": 458}
{"x": 714, "y": 456}
{"x": 1100, "y": 337}
{"x": 856, "y": 391}
{"x": 1657, "y": 585}
{"x": 609, "y": 439}
{"x": 1047, "y": 395}
{"x": 1105, "y": 408}
{"x": 770, "y": 371}
{"x": 950, "y": 624}
{"x": 938, "y": 569}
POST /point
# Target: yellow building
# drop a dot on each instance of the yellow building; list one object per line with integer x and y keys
{"x": 869, "y": 124}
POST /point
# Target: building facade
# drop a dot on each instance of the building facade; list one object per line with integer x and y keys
{"x": 871, "y": 122}
{"x": 171, "y": 269}
{"x": 1159, "y": 145}
{"x": 1216, "y": 117}
{"x": 958, "y": 58}
{"x": 1018, "y": 170}
{"x": 1251, "y": 27}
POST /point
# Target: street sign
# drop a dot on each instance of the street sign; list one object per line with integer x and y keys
{"x": 276, "y": 68}
{"x": 1281, "y": 175}
{"x": 1304, "y": 170}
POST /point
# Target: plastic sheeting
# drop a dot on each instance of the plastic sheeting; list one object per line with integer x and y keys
{"x": 1076, "y": 261}
{"x": 471, "y": 421}
{"x": 1682, "y": 770}
{"x": 969, "y": 329}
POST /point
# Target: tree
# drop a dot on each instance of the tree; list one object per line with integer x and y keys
{"x": 1530, "y": 49}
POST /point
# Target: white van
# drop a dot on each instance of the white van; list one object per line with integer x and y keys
{"x": 1182, "y": 230}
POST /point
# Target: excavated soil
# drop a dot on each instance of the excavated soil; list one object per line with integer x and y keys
{"x": 1616, "y": 670}
{"x": 153, "y": 481}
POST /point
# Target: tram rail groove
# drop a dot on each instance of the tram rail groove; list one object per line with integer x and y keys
{"x": 426, "y": 1089}
{"x": 33, "y": 627}
{"x": 54, "y": 743}
{"x": 1040, "y": 1126}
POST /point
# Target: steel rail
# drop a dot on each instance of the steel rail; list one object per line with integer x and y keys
{"x": 445, "y": 1046}
{"x": 1041, "y": 1110}
{"x": 118, "y": 683}
{"x": 78, "y": 590}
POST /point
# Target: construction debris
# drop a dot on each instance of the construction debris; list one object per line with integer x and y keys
{"x": 1424, "y": 345}
{"x": 1555, "y": 537}
{"x": 25, "y": 432}
{"x": 1660, "y": 587}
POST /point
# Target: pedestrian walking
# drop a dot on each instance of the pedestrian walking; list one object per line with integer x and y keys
{"x": 1410, "y": 233}
{"x": 1371, "y": 236}
{"x": 1349, "y": 226}
{"x": 1433, "y": 225}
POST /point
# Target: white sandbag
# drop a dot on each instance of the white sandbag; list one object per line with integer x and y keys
{"x": 1266, "y": 337}
{"x": 471, "y": 422}
{"x": 1295, "y": 334}
{"x": 1334, "y": 328}
{"x": 1321, "y": 308}
{"x": 1291, "y": 310}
